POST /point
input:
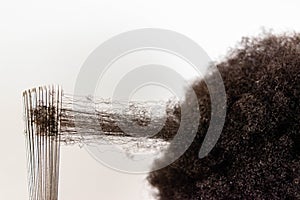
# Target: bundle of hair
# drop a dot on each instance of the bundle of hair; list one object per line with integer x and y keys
{"x": 256, "y": 156}
{"x": 53, "y": 118}
{"x": 42, "y": 108}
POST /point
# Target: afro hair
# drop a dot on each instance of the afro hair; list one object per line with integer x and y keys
{"x": 257, "y": 154}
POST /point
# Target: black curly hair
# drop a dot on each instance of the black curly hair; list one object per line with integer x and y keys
{"x": 258, "y": 153}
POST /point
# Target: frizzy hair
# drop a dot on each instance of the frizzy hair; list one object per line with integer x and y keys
{"x": 258, "y": 153}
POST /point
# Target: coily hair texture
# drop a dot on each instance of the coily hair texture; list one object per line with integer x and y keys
{"x": 258, "y": 153}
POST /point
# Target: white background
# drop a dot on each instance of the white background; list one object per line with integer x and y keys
{"x": 45, "y": 42}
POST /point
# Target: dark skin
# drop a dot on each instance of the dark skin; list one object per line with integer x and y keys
{"x": 258, "y": 153}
